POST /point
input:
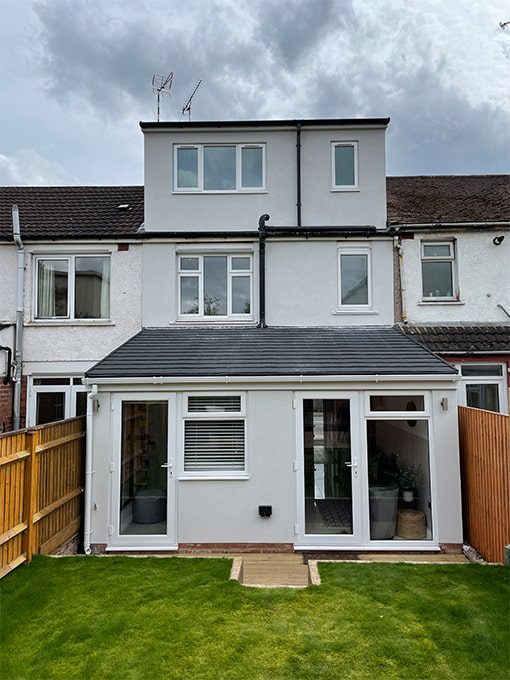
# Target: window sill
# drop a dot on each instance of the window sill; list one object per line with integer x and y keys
{"x": 70, "y": 322}
{"x": 425, "y": 303}
{"x": 348, "y": 312}
{"x": 214, "y": 478}
{"x": 213, "y": 321}
{"x": 343, "y": 189}
{"x": 200, "y": 192}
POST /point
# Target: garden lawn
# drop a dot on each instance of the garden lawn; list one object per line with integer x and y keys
{"x": 150, "y": 618}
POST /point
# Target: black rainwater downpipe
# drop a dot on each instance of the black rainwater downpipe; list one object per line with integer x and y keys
{"x": 298, "y": 173}
{"x": 262, "y": 270}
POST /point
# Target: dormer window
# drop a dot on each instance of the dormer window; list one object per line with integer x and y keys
{"x": 344, "y": 166}
{"x": 219, "y": 168}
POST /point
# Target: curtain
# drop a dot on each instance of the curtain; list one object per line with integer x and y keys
{"x": 105, "y": 289}
{"x": 46, "y": 289}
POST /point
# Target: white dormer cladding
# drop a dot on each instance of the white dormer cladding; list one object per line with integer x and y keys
{"x": 329, "y": 197}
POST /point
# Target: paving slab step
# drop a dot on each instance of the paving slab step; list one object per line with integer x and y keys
{"x": 274, "y": 571}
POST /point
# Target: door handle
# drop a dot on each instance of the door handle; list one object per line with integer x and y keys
{"x": 351, "y": 463}
{"x": 166, "y": 465}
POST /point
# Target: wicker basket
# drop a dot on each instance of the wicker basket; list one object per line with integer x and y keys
{"x": 411, "y": 524}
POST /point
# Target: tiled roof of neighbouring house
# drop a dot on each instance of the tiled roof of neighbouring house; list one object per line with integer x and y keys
{"x": 448, "y": 199}
{"x": 465, "y": 339}
{"x": 67, "y": 212}
{"x": 93, "y": 212}
{"x": 289, "y": 351}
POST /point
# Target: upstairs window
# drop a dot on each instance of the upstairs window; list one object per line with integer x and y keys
{"x": 344, "y": 161}
{"x": 73, "y": 287}
{"x": 354, "y": 278}
{"x": 438, "y": 270}
{"x": 215, "y": 286}
{"x": 219, "y": 168}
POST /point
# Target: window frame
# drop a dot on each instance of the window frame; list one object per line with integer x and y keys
{"x": 354, "y": 250}
{"x": 499, "y": 380}
{"x": 231, "y": 274}
{"x": 452, "y": 258}
{"x": 199, "y": 189}
{"x": 345, "y": 187}
{"x": 208, "y": 416}
{"x": 69, "y": 386}
{"x": 71, "y": 283}
{"x": 422, "y": 414}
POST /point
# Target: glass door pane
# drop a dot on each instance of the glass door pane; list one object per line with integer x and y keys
{"x": 50, "y": 406}
{"x": 327, "y": 466}
{"x": 143, "y": 479}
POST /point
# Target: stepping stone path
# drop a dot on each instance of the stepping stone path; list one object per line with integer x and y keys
{"x": 274, "y": 570}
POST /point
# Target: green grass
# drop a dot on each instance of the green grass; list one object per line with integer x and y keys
{"x": 152, "y": 618}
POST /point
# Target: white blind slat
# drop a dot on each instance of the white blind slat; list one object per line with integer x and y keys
{"x": 214, "y": 445}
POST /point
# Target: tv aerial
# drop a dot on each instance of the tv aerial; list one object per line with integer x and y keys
{"x": 187, "y": 106}
{"x": 161, "y": 86}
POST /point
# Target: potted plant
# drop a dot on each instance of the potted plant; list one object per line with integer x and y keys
{"x": 407, "y": 476}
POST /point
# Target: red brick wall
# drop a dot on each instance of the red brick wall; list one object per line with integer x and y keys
{"x": 6, "y": 392}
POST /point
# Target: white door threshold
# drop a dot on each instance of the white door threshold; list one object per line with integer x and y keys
{"x": 142, "y": 548}
{"x": 394, "y": 547}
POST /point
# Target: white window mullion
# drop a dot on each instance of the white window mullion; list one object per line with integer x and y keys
{"x": 70, "y": 288}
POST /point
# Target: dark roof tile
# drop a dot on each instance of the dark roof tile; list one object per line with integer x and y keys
{"x": 186, "y": 352}
{"x": 466, "y": 339}
{"x": 80, "y": 212}
{"x": 448, "y": 199}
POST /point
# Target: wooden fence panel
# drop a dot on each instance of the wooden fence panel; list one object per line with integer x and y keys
{"x": 41, "y": 484}
{"x": 485, "y": 466}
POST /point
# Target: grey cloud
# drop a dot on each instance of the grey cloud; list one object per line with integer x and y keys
{"x": 293, "y": 28}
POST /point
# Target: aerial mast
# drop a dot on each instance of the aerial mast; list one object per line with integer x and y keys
{"x": 161, "y": 86}
{"x": 187, "y": 106}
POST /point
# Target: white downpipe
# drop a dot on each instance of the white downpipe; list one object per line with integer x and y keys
{"x": 18, "y": 341}
{"x": 87, "y": 510}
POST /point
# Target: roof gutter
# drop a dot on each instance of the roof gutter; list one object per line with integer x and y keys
{"x": 301, "y": 379}
{"x": 447, "y": 225}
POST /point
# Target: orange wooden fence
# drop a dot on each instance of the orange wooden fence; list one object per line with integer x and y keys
{"x": 41, "y": 482}
{"x": 485, "y": 468}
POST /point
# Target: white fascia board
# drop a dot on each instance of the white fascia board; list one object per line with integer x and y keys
{"x": 451, "y": 225}
{"x": 301, "y": 379}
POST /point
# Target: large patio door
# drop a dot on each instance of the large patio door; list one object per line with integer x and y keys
{"x": 327, "y": 470}
{"x": 143, "y": 499}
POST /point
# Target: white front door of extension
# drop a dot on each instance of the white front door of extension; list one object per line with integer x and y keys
{"x": 143, "y": 512}
{"x": 328, "y": 470}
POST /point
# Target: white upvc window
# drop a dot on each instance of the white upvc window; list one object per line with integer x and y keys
{"x": 214, "y": 435}
{"x": 53, "y": 398}
{"x": 438, "y": 272}
{"x": 354, "y": 278}
{"x": 215, "y": 285}
{"x": 344, "y": 166}
{"x": 483, "y": 386}
{"x": 72, "y": 287}
{"x": 219, "y": 168}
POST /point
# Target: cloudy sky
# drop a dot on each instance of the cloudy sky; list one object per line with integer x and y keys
{"x": 76, "y": 77}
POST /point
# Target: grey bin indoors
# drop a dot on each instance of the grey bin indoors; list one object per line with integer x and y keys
{"x": 149, "y": 506}
{"x": 383, "y": 511}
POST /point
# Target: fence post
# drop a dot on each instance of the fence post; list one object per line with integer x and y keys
{"x": 30, "y": 492}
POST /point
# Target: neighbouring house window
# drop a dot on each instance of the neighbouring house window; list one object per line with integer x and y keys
{"x": 438, "y": 270}
{"x": 215, "y": 285}
{"x": 214, "y": 435}
{"x": 55, "y": 398}
{"x": 344, "y": 165}
{"x": 483, "y": 386}
{"x": 73, "y": 287}
{"x": 219, "y": 167}
{"x": 354, "y": 278}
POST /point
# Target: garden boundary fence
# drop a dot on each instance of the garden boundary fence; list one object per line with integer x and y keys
{"x": 41, "y": 487}
{"x": 485, "y": 469}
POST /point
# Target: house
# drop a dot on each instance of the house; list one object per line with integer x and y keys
{"x": 454, "y": 240}
{"x": 82, "y": 292}
{"x": 247, "y": 387}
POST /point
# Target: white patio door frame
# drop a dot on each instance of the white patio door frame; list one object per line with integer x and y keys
{"x": 116, "y": 540}
{"x": 304, "y": 541}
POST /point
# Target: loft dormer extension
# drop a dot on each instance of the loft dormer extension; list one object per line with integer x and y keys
{"x": 222, "y": 175}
